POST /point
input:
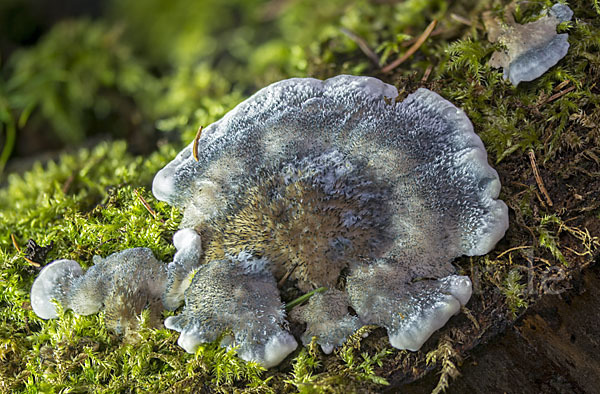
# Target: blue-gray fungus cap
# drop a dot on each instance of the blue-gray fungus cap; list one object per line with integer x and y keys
{"x": 331, "y": 184}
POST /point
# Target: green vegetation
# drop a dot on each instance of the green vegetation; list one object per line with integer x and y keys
{"x": 158, "y": 71}
{"x": 77, "y": 74}
{"x": 449, "y": 359}
{"x": 514, "y": 291}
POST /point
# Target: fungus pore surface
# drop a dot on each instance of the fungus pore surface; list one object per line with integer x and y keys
{"x": 332, "y": 183}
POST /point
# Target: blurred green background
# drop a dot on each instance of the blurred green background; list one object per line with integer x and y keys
{"x": 73, "y": 74}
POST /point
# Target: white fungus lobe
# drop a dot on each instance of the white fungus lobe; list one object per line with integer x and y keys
{"x": 123, "y": 283}
{"x": 53, "y": 282}
{"x": 232, "y": 294}
{"x": 531, "y": 49}
{"x": 411, "y": 312}
{"x": 327, "y": 317}
{"x": 189, "y": 250}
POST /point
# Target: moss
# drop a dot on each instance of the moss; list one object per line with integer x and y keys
{"x": 548, "y": 239}
{"x": 347, "y": 371}
{"x": 514, "y": 291}
{"x": 79, "y": 71}
{"x": 90, "y": 202}
{"x": 449, "y": 358}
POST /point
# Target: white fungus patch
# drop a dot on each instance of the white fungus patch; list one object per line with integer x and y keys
{"x": 531, "y": 49}
{"x": 123, "y": 283}
{"x": 189, "y": 250}
{"x": 411, "y": 312}
{"x": 236, "y": 295}
{"x": 327, "y": 317}
{"x": 53, "y": 283}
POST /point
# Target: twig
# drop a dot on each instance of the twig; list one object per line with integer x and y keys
{"x": 427, "y": 73}
{"x": 461, "y": 19}
{"x": 547, "y": 262}
{"x": 68, "y": 183}
{"x": 578, "y": 253}
{"x": 470, "y": 316}
{"x": 465, "y": 21}
{"x": 195, "y": 145}
{"x": 287, "y": 275}
{"x": 590, "y": 243}
{"x": 538, "y": 178}
{"x": 436, "y": 32}
{"x": 561, "y": 85}
{"x": 559, "y": 94}
{"x": 362, "y": 44}
{"x": 16, "y": 245}
{"x": 147, "y": 206}
{"x": 512, "y": 250}
{"x": 422, "y": 38}
{"x": 14, "y": 241}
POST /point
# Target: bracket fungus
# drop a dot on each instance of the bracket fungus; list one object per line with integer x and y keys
{"x": 327, "y": 183}
{"x": 531, "y": 49}
{"x": 124, "y": 283}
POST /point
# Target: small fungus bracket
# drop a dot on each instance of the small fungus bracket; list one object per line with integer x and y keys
{"x": 532, "y": 48}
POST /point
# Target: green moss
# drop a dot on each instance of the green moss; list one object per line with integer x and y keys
{"x": 450, "y": 360}
{"x": 305, "y": 364}
{"x": 548, "y": 238}
{"x": 347, "y": 371}
{"x": 7, "y": 127}
{"x": 514, "y": 291}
